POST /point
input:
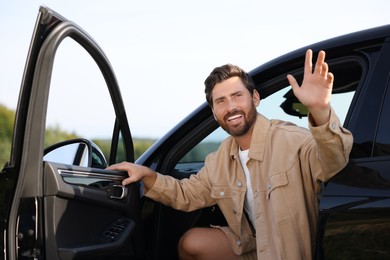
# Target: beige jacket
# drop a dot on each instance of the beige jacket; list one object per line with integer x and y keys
{"x": 287, "y": 164}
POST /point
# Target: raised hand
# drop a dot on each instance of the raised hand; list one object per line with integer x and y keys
{"x": 316, "y": 89}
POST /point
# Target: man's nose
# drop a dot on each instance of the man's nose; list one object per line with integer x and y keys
{"x": 231, "y": 105}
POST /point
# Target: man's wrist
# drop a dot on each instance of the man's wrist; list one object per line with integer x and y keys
{"x": 320, "y": 116}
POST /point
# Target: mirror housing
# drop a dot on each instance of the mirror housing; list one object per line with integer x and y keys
{"x": 78, "y": 152}
{"x": 293, "y": 106}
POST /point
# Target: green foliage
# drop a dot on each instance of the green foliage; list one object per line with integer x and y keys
{"x": 140, "y": 146}
{"x": 104, "y": 145}
{"x": 7, "y": 118}
{"x": 199, "y": 152}
{"x": 54, "y": 135}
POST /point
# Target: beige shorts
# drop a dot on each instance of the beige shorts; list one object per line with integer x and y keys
{"x": 250, "y": 255}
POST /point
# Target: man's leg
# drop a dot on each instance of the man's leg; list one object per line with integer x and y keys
{"x": 205, "y": 243}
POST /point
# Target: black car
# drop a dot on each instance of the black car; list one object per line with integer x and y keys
{"x": 59, "y": 202}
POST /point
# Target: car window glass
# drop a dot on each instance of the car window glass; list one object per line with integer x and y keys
{"x": 270, "y": 107}
{"x": 206, "y": 146}
{"x": 79, "y": 102}
{"x": 193, "y": 161}
{"x": 348, "y": 73}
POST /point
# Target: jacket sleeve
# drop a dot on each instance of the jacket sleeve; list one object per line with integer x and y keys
{"x": 187, "y": 194}
{"x": 333, "y": 144}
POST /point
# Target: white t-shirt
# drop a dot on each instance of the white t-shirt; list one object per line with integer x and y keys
{"x": 249, "y": 204}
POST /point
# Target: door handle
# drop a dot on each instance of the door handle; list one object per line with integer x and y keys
{"x": 117, "y": 192}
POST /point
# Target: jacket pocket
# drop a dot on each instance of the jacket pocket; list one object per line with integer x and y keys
{"x": 276, "y": 181}
{"x": 220, "y": 192}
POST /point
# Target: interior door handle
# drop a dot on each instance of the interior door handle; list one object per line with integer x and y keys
{"x": 116, "y": 191}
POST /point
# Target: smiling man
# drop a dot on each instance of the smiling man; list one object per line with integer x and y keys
{"x": 234, "y": 107}
{"x": 265, "y": 177}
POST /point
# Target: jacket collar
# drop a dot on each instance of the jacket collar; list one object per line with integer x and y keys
{"x": 259, "y": 136}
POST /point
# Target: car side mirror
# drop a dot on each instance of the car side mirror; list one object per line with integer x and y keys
{"x": 293, "y": 106}
{"x": 78, "y": 152}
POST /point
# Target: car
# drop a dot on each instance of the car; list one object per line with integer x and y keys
{"x": 58, "y": 201}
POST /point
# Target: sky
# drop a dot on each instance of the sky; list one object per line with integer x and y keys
{"x": 179, "y": 42}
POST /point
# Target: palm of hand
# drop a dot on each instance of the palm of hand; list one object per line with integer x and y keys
{"x": 316, "y": 88}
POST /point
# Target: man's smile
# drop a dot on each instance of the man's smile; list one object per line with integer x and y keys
{"x": 234, "y": 118}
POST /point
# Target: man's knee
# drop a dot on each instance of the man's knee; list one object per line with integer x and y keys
{"x": 189, "y": 244}
{"x": 205, "y": 243}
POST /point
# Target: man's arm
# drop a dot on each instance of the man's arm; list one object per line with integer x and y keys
{"x": 186, "y": 194}
{"x": 316, "y": 89}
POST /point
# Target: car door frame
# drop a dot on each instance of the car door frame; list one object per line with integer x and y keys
{"x": 25, "y": 169}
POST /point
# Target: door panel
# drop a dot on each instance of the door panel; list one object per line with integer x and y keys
{"x": 355, "y": 207}
{"x": 87, "y": 213}
{"x": 355, "y": 212}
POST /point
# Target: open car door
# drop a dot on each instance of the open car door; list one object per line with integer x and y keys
{"x": 59, "y": 202}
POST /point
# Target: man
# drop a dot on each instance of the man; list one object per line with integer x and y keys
{"x": 265, "y": 177}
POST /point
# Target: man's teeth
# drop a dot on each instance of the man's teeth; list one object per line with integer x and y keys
{"x": 234, "y": 117}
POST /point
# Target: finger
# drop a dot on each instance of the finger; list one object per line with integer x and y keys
{"x": 112, "y": 167}
{"x": 320, "y": 61}
{"x": 293, "y": 82}
{"x": 117, "y": 166}
{"x": 325, "y": 68}
{"x": 123, "y": 166}
{"x": 127, "y": 181}
{"x": 330, "y": 77}
{"x": 308, "y": 62}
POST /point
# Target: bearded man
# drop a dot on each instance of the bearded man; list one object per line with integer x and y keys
{"x": 264, "y": 177}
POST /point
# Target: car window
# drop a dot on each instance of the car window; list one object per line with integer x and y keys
{"x": 270, "y": 107}
{"x": 349, "y": 73}
{"x": 206, "y": 146}
{"x": 79, "y": 103}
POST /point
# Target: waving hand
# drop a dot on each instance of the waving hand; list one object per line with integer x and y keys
{"x": 316, "y": 88}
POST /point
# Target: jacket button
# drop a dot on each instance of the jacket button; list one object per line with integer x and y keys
{"x": 238, "y": 242}
{"x": 222, "y": 193}
{"x": 234, "y": 211}
{"x": 239, "y": 183}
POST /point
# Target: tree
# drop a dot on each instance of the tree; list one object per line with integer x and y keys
{"x": 7, "y": 118}
{"x": 55, "y": 134}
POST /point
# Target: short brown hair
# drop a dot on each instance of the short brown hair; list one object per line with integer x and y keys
{"x": 225, "y": 72}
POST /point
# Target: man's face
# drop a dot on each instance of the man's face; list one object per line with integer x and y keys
{"x": 233, "y": 106}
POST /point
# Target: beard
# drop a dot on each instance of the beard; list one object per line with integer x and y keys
{"x": 242, "y": 129}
